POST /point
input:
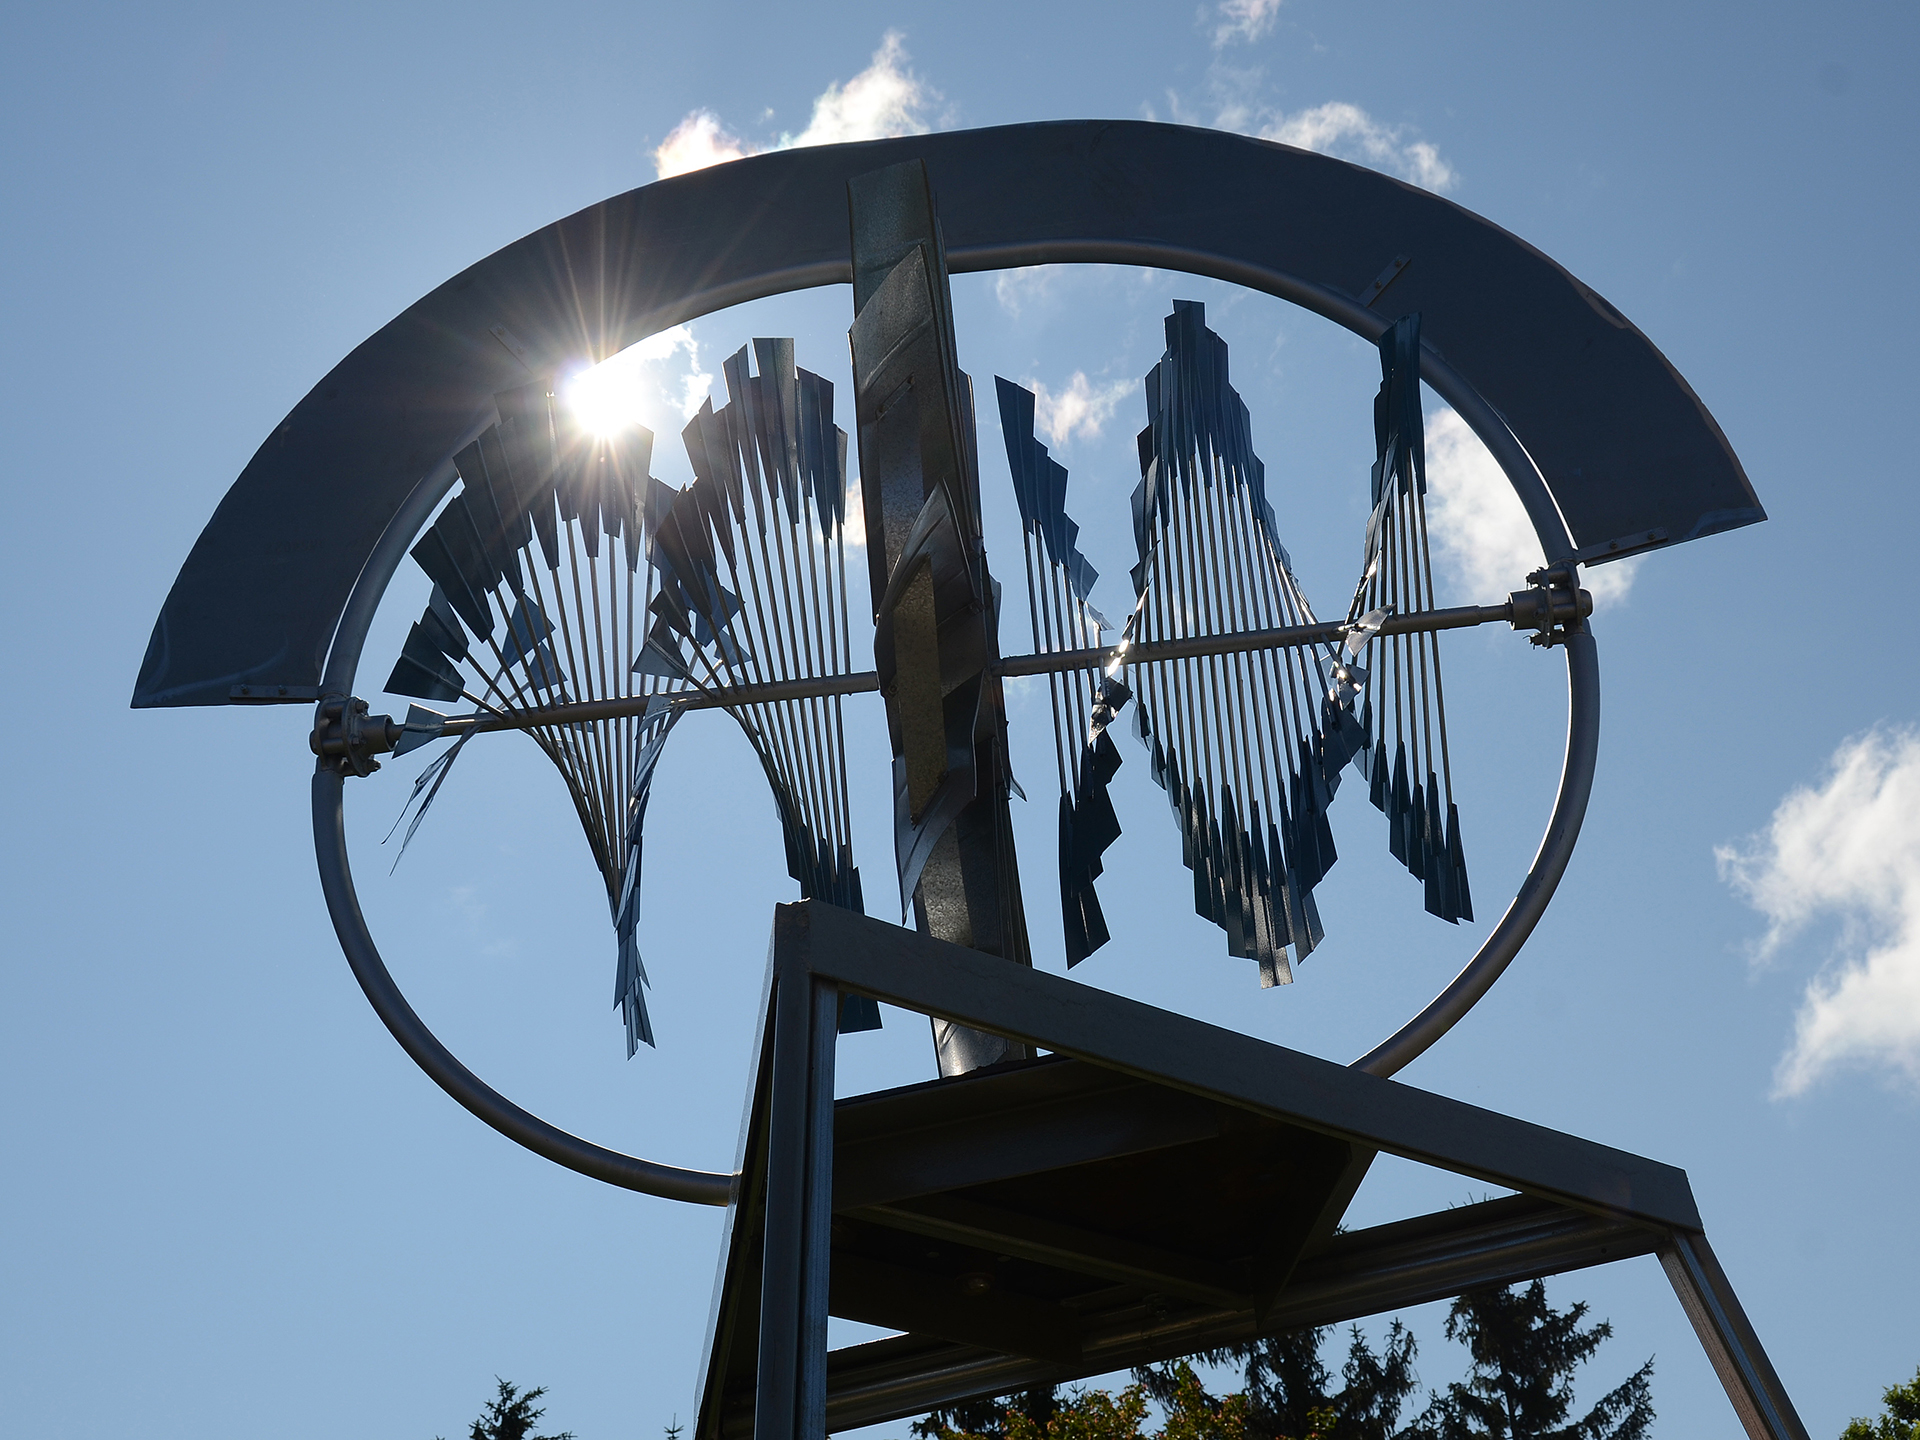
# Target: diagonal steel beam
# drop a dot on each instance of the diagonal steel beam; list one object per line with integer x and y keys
{"x": 920, "y": 973}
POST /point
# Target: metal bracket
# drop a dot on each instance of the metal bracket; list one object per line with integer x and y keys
{"x": 273, "y": 694}
{"x": 346, "y": 737}
{"x": 1555, "y": 606}
{"x": 1619, "y": 547}
{"x": 1385, "y": 278}
{"x": 513, "y": 346}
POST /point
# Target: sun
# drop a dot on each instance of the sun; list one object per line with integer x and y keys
{"x": 645, "y": 385}
{"x": 607, "y": 398}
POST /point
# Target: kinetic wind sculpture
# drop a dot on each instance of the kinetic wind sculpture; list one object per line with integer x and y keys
{"x": 1092, "y": 1183}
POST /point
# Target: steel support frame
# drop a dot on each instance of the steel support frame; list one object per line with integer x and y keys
{"x": 1580, "y": 1204}
{"x": 791, "y": 1400}
{"x": 1360, "y": 1273}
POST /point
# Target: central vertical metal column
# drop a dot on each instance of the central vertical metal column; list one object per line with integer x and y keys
{"x": 936, "y": 607}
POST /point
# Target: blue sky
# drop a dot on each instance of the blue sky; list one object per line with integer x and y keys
{"x": 230, "y": 1205}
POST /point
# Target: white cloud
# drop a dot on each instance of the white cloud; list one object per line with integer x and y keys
{"x": 1339, "y": 127}
{"x": 1244, "y": 20}
{"x": 1849, "y": 849}
{"x": 1345, "y": 130}
{"x": 1081, "y": 407}
{"x": 1479, "y": 528}
{"x": 1025, "y": 285}
{"x": 884, "y": 99}
{"x": 854, "y": 530}
{"x": 696, "y": 142}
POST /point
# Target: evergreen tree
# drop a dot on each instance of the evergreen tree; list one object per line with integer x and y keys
{"x": 1521, "y": 1386}
{"x": 1901, "y": 1421}
{"x": 1375, "y": 1386}
{"x": 1289, "y": 1389}
{"x": 512, "y": 1416}
{"x": 1191, "y": 1414}
{"x": 988, "y": 1419}
{"x": 1524, "y": 1354}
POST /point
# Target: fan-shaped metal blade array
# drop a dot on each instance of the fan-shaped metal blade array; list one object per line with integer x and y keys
{"x": 753, "y": 591}
{"x": 1237, "y": 741}
{"x": 1083, "y": 702}
{"x": 537, "y": 559}
{"x": 745, "y": 585}
{"x": 1397, "y": 577}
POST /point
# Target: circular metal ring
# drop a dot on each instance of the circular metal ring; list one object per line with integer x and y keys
{"x": 712, "y": 1188}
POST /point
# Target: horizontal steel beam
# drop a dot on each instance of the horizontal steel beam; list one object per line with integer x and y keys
{"x": 899, "y": 967}
{"x": 886, "y": 1166}
{"x": 874, "y": 1292}
{"x": 961, "y": 1221}
{"x": 1365, "y": 1272}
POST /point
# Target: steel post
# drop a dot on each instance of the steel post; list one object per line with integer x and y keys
{"x": 1725, "y": 1334}
{"x": 790, "y": 1395}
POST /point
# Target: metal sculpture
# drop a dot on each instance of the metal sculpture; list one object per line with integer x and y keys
{"x": 1028, "y": 1217}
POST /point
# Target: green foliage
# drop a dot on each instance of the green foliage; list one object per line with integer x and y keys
{"x": 1524, "y": 1354}
{"x": 1901, "y": 1420}
{"x": 512, "y": 1416}
{"x": 1191, "y": 1414}
{"x": 1521, "y": 1385}
{"x": 988, "y": 1419}
{"x": 1289, "y": 1390}
{"x": 1087, "y": 1415}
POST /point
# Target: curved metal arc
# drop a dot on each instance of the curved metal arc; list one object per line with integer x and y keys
{"x": 259, "y": 596}
{"x": 1343, "y": 310}
{"x": 704, "y": 1187}
{"x": 1497, "y": 951}
{"x": 699, "y": 1187}
{"x": 524, "y": 1128}
{"x": 343, "y": 656}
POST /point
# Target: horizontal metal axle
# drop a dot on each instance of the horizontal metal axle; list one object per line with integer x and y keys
{"x": 1519, "y": 610}
{"x": 1547, "y": 606}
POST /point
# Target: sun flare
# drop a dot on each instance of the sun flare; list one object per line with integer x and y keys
{"x": 606, "y": 398}
{"x": 656, "y": 383}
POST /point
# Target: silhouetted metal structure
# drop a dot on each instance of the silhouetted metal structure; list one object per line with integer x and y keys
{"x": 1092, "y": 1183}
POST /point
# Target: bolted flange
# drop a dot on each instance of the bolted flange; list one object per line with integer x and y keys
{"x": 1554, "y": 606}
{"x": 346, "y": 737}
